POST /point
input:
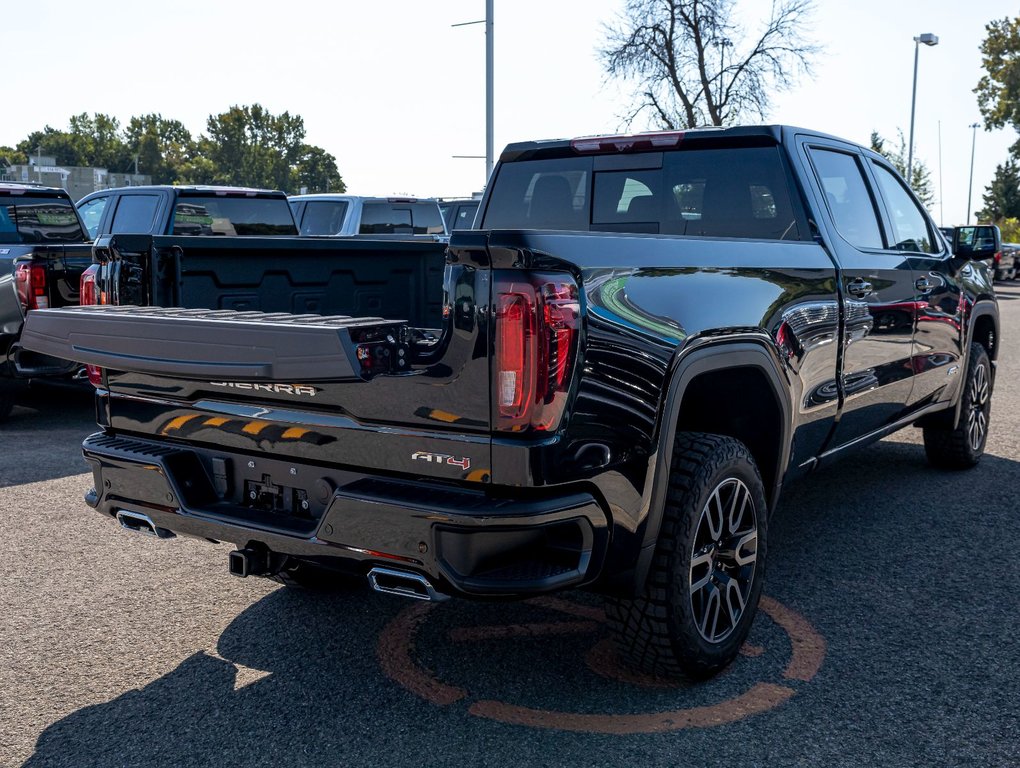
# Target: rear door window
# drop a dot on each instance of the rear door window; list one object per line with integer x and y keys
{"x": 323, "y": 217}
{"x": 848, "y": 197}
{"x": 135, "y": 214}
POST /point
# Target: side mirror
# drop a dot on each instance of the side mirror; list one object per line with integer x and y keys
{"x": 981, "y": 242}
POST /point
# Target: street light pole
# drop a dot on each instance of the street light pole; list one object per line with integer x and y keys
{"x": 970, "y": 184}
{"x": 489, "y": 60}
{"x": 928, "y": 39}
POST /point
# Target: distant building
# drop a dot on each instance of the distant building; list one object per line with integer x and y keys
{"x": 78, "y": 181}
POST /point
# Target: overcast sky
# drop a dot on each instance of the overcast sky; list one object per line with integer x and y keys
{"x": 394, "y": 91}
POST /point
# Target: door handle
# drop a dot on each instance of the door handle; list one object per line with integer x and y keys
{"x": 928, "y": 283}
{"x": 859, "y": 287}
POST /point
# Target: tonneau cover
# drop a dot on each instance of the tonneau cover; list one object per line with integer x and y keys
{"x": 203, "y": 343}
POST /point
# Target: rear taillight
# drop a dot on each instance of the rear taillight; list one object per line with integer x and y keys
{"x": 998, "y": 257}
{"x": 30, "y": 280}
{"x": 89, "y": 295}
{"x": 537, "y": 326}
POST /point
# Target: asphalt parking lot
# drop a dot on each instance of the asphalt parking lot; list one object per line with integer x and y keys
{"x": 888, "y": 636}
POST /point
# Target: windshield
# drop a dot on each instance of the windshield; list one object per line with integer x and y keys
{"x": 233, "y": 216}
{"x": 34, "y": 219}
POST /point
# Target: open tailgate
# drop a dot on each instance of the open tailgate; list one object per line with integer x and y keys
{"x": 203, "y": 344}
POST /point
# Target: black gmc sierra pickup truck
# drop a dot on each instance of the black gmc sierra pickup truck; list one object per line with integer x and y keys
{"x": 605, "y": 386}
{"x": 43, "y": 252}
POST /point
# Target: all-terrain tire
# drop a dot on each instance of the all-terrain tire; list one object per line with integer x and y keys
{"x": 961, "y": 446}
{"x": 662, "y": 630}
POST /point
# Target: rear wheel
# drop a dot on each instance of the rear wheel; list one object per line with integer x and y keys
{"x": 961, "y": 446}
{"x": 707, "y": 571}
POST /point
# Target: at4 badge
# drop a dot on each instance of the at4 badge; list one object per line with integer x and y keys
{"x": 442, "y": 458}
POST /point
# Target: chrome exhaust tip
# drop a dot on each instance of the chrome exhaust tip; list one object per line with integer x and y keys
{"x": 404, "y": 584}
{"x": 139, "y": 523}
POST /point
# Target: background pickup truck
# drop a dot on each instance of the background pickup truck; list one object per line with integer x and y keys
{"x": 43, "y": 252}
{"x": 187, "y": 210}
{"x": 611, "y": 383}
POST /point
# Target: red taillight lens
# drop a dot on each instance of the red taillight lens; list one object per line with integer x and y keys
{"x": 998, "y": 257}
{"x": 30, "y": 280}
{"x": 537, "y": 325}
{"x": 516, "y": 347}
{"x": 88, "y": 295}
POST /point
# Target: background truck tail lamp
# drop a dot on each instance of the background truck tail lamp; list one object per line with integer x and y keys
{"x": 89, "y": 295}
{"x": 537, "y": 322}
{"x": 31, "y": 283}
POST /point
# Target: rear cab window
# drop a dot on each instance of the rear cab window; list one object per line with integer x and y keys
{"x": 39, "y": 219}
{"x": 734, "y": 192}
{"x": 401, "y": 218}
{"x": 232, "y": 216}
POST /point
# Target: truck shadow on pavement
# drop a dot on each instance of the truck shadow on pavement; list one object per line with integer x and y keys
{"x": 301, "y": 679}
{"x": 42, "y": 437}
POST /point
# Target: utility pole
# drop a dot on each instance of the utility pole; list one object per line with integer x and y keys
{"x": 489, "y": 99}
{"x": 489, "y": 42}
{"x": 970, "y": 184}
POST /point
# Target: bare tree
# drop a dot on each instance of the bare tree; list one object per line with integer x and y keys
{"x": 693, "y": 64}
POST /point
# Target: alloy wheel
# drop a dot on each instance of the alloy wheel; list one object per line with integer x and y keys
{"x": 723, "y": 560}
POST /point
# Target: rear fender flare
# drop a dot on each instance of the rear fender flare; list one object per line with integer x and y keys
{"x": 981, "y": 309}
{"x": 747, "y": 352}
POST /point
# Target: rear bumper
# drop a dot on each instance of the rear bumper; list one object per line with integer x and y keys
{"x": 471, "y": 542}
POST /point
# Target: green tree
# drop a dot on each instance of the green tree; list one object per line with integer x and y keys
{"x": 1010, "y": 229}
{"x": 11, "y": 156}
{"x": 251, "y": 146}
{"x": 691, "y": 63}
{"x": 998, "y": 90}
{"x": 1002, "y": 196}
{"x": 921, "y": 181}
{"x": 91, "y": 140}
{"x": 51, "y": 142}
{"x": 163, "y": 147}
{"x": 100, "y": 140}
{"x": 317, "y": 171}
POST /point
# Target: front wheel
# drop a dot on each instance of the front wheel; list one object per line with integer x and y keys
{"x": 708, "y": 568}
{"x": 961, "y": 446}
